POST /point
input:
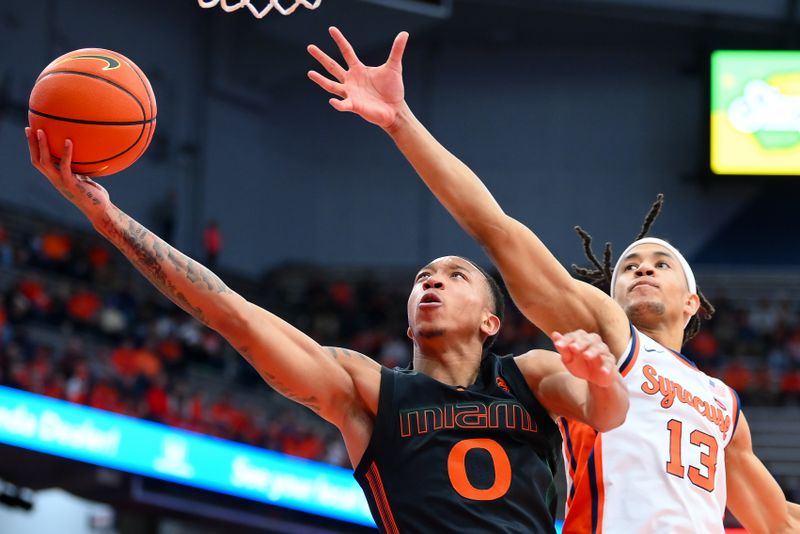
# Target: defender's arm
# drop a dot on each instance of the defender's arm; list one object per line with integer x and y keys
{"x": 754, "y": 497}
{"x": 542, "y": 289}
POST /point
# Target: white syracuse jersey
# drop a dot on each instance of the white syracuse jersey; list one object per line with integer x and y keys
{"x": 663, "y": 470}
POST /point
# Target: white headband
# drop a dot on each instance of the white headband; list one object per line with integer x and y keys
{"x": 655, "y": 241}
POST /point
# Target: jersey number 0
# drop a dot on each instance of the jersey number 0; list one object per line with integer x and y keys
{"x": 457, "y": 469}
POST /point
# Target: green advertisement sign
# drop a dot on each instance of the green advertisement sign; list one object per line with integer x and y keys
{"x": 755, "y": 112}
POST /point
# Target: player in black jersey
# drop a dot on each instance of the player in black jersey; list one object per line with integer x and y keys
{"x": 465, "y": 440}
{"x": 462, "y": 443}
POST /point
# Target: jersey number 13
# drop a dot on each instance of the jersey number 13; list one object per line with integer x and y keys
{"x": 708, "y": 456}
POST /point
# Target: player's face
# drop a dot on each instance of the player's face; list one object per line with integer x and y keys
{"x": 651, "y": 287}
{"x": 450, "y": 297}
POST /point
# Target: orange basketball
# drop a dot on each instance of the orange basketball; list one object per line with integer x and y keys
{"x": 101, "y": 101}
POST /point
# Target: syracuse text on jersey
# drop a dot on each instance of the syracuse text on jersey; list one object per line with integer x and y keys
{"x": 671, "y": 391}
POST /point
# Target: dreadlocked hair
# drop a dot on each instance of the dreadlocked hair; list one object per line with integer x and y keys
{"x": 602, "y": 272}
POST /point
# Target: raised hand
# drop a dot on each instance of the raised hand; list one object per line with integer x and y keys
{"x": 586, "y": 356}
{"x": 87, "y": 195}
{"x": 374, "y": 93}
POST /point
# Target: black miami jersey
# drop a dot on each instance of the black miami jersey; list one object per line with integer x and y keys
{"x": 451, "y": 459}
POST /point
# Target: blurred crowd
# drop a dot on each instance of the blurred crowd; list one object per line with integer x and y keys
{"x": 78, "y": 323}
{"x": 754, "y": 348}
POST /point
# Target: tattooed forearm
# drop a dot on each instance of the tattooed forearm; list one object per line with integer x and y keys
{"x": 190, "y": 274}
{"x": 213, "y": 282}
{"x": 164, "y": 266}
{"x": 91, "y": 196}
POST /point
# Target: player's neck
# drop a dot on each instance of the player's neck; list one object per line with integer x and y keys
{"x": 671, "y": 336}
{"x": 456, "y": 366}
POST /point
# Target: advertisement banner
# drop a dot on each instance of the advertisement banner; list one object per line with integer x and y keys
{"x": 110, "y": 440}
{"x": 755, "y": 112}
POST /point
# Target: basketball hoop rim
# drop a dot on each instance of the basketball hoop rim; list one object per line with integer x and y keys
{"x": 230, "y": 6}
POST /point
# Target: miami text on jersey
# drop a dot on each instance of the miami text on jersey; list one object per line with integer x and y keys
{"x": 498, "y": 414}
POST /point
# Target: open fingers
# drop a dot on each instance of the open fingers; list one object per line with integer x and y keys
{"x": 344, "y": 45}
{"x": 601, "y": 371}
{"x": 341, "y": 105}
{"x": 65, "y": 166}
{"x": 600, "y": 367}
{"x": 567, "y": 355}
{"x": 33, "y": 146}
{"x": 562, "y": 344}
{"x": 329, "y": 85}
{"x": 330, "y": 64}
{"x": 45, "y": 159}
{"x": 399, "y": 46}
{"x": 578, "y": 342}
{"x": 594, "y": 349}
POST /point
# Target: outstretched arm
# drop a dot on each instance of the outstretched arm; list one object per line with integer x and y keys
{"x": 794, "y": 512}
{"x": 581, "y": 382}
{"x": 754, "y": 497}
{"x": 540, "y": 286}
{"x": 291, "y": 362}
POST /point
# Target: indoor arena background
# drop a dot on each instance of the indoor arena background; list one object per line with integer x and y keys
{"x": 573, "y": 112}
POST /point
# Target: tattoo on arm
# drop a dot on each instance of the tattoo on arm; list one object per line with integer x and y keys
{"x": 148, "y": 253}
{"x": 310, "y": 401}
{"x": 338, "y": 353}
{"x": 90, "y": 195}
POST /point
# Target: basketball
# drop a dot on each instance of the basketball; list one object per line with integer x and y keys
{"x": 101, "y": 101}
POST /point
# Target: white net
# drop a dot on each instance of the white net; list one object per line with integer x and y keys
{"x": 287, "y": 7}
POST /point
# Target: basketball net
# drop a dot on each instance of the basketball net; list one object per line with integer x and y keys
{"x": 233, "y": 5}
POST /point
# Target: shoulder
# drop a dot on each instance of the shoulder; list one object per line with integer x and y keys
{"x": 364, "y": 372}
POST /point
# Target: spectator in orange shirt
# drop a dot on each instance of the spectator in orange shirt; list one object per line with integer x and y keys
{"x": 170, "y": 353}
{"x": 56, "y": 250}
{"x": 212, "y": 243}
{"x": 158, "y": 400}
{"x": 105, "y": 397}
{"x": 704, "y": 350}
{"x": 147, "y": 363}
{"x": 54, "y": 387}
{"x": 98, "y": 257}
{"x": 790, "y": 387}
{"x": 33, "y": 290}
{"x": 83, "y": 306}
{"x": 124, "y": 359}
{"x": 739, "y": 377}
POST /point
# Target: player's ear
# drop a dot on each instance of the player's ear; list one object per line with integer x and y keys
{"x": 490, "y": 325}
{"x": 691, "y": 304}
{"x": 410, "y": 333}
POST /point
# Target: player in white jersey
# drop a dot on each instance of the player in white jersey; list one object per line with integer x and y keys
{"x": 681, "y": 420}
{"x": 681, "y": 456}
{"x": 679, "y": 423}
